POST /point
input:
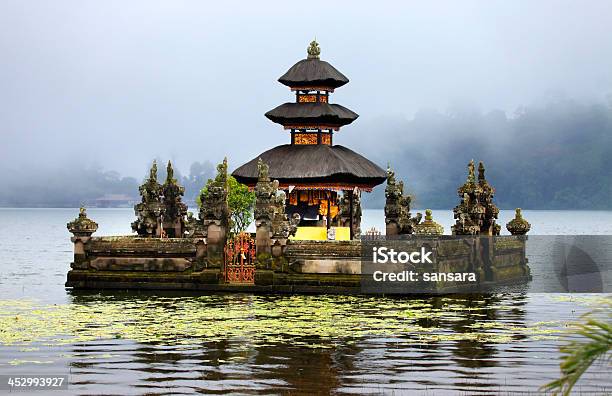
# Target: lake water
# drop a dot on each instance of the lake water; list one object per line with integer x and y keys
{"x": 160, "y": 343}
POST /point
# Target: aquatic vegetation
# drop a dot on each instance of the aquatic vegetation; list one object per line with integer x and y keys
{"x": 312, "y": 321}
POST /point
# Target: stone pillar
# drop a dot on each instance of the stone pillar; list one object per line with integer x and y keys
{"x": 265, "y": 195}
{"x": 476, "y": 214}
{"x": 398, "y": 218}
{"x": 350, "y": 212}
{"x": 392, "y": 207}
{"x": 82, "y": 228}
{"x": 214, "y": 215}
{"x": 150, "y": 209}
{"x": 282, "y": 229}
{"x": 489, "y": 226}
{"x": 273, "y": 227}
{"x": 174, "y": 210}
{"x": 215, "y": 243}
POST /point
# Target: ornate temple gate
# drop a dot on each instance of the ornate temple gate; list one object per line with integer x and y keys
{"x": 239, "y": 264}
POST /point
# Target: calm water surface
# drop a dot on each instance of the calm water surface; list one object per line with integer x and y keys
{"x": 162, "y": 343}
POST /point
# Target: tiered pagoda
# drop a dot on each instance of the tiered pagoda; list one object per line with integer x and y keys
{"x": 312, "y": 169}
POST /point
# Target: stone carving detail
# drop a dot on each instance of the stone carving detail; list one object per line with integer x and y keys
{"x": 273, "y": 227}
{"x": 82, "y": 226}
{"x": 518, "y": 225}
{"x": 282, "y": 226}
{"x": 194, "y": 227}
{"x": 476, "y": 213}
{"x": 214, "y": 215}
{"x": 161, "y": 211}
{"x": 174, "y": 210}
{"x": 345, "y": 216}
{"x": 214, "y": 209}
{"x": 428, "y": 226}
{"x": 398, "y": 218}
{"x": 265, "y": 197}
{"x": 489, "y": 227}
{"x": 149, "y": 210}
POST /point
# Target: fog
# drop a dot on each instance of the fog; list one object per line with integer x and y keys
{"x": 112, "y": 85}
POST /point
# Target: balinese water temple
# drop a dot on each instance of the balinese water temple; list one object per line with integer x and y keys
{"x": 307, "y": 216}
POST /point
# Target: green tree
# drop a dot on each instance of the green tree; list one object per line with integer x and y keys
{"x": 241, "y": 204}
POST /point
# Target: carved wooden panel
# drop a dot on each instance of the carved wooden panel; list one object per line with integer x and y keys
{"x": 305, "y": 138}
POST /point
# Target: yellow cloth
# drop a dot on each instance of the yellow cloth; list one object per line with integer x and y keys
{"x": 333, "y": 209}
{"x": 320, "y": 234}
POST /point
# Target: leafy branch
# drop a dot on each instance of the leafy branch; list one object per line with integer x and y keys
{"x": 578, "y": 356}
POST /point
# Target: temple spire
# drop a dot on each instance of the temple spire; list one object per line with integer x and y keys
{"x": 481, "y": 172}
{"x": 471, "y": 174}
{"x": 153, "y": 171}
{"x": 169, "y": 173}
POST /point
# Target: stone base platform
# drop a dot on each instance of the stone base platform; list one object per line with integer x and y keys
{"x": 332, "y": 267}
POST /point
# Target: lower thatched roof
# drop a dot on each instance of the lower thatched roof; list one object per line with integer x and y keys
{"x": 317, "y": 165}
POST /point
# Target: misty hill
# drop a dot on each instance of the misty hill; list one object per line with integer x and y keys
{"x": 556, "y": 156}
{"x": 64, "y": 187}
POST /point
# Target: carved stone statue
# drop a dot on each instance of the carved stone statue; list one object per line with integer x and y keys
{"x": 150, "y": 209}
{"x": 344, "y": 216}
{"x": 489, "y": 227}
{"x": 265, "y": 192}
{"x": 214, "y": 215}
{"x": 82, "y": 226}
{"x": 174, "y": 210}
{"x": 398, "y": 218}
{"x": 273, "y": 227}
{"x": 428, "y": 226}
{"x": 194, "y": 227}
{"x": 282, "y": 226}
{"x": 214, "y": 207}
{"x": 476, "y": 213}
{"x": 518, "y": 225}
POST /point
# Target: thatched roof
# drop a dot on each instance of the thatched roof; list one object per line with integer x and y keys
{"x": 313, "y": 72}
{"x": 314, "y": 164}
{"x": 309, "y": 113}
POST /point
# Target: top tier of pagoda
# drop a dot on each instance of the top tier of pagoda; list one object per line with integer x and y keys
{"x": 313, "y": 80}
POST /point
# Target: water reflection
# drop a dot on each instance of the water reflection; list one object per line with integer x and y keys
{"x": 134, "y": 343}
{"x": 454, "y": 343}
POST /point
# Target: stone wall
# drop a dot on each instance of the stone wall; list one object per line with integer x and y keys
{"x": 301, "y": 266}
{"x": 127, "y": 253}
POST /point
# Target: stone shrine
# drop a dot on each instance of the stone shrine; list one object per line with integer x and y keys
{"x": 476, "y": 213}
{"x": 398, "y": 219}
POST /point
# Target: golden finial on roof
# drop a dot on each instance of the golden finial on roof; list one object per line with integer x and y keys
{"x": 314, "y": 50}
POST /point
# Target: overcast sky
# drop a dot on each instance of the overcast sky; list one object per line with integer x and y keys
{"x": 120, "y": 82}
